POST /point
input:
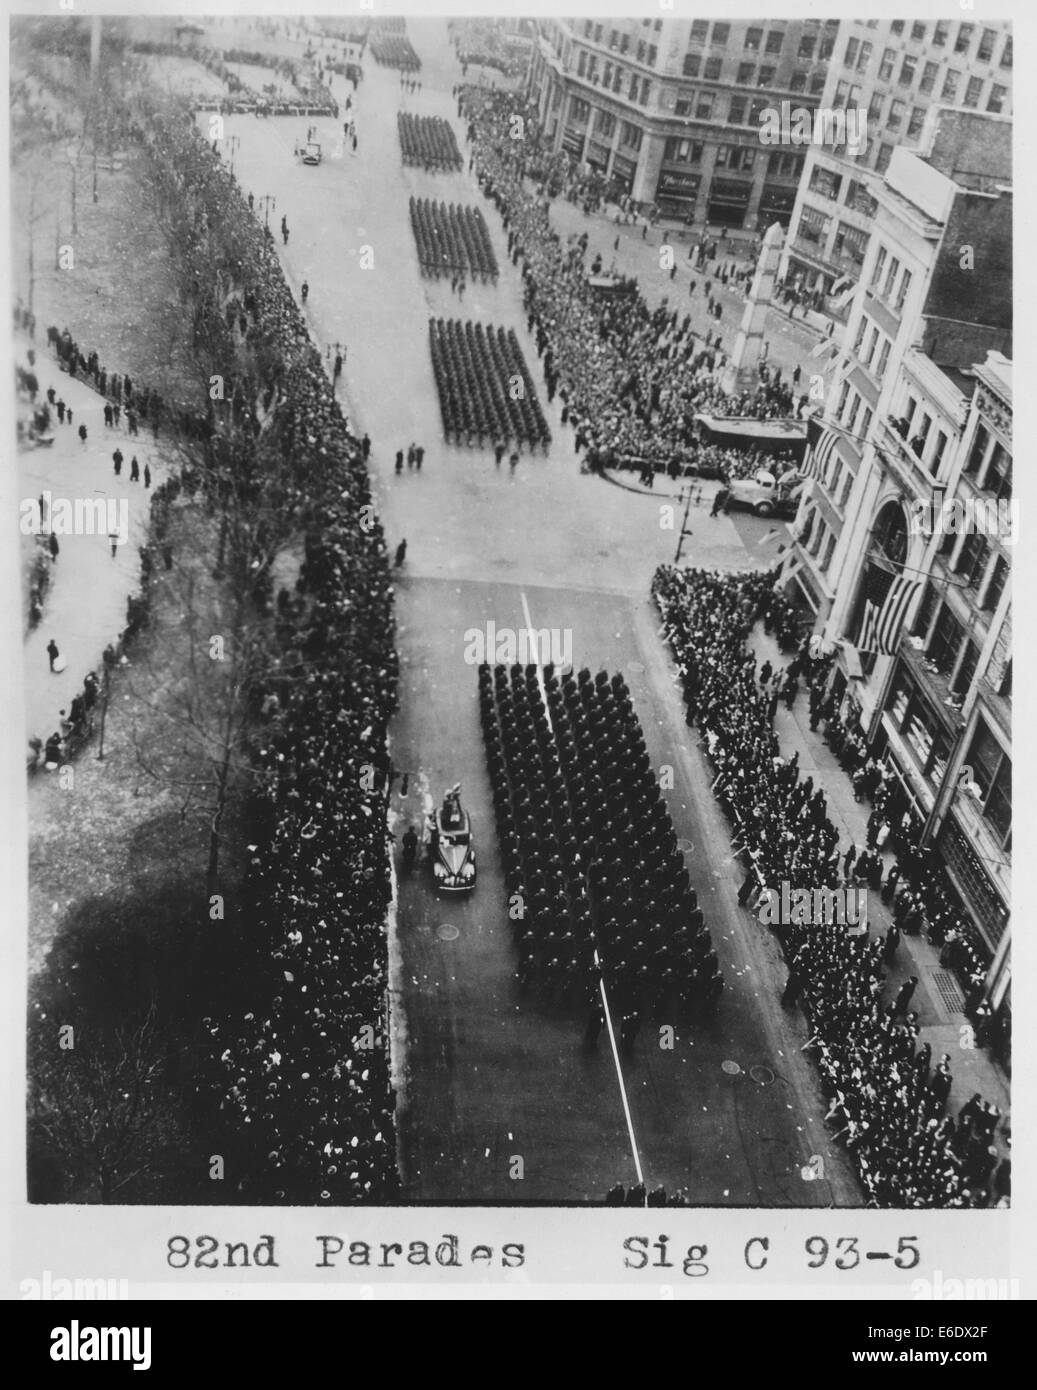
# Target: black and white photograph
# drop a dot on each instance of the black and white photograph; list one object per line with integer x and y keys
{"x": 515, "y": 527}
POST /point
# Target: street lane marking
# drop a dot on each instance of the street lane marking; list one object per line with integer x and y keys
{"x": 531, "y": 631}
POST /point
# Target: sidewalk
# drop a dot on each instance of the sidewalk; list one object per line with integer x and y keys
{"x": 85, "y": 605}
{"x": 937, "y": 1000}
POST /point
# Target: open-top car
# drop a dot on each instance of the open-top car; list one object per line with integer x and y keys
{"x": 451, "y": 851}
{"x": 311, "y": 153}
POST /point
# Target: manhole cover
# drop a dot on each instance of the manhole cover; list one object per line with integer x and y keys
{"x": 763, "y": 1076}
{"x": 636, "y": 666}
{"x": 685, "y": 846}
{"x": 732, "y": 1068}
{"x": 446, "y": 932}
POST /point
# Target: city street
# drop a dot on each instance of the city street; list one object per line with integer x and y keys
{"x": 733, "y": 1112}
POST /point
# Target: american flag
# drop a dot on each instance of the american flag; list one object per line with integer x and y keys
{"x": 821, "y": 441}
{"x": 881, "y": 627}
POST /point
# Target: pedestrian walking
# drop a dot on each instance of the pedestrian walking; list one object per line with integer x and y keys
{"x": 117, "y": 412}
{"x": 305, "y": 291}
{"x": 68, "y": 414}
{"x": 60, "y": 406}
{"x": 284, "y": 229}
{"x": 411, "y": 453}
{"x": 903, "y": 999}
{"x": 117, "y": 461}
{"x": 52, "y": 546}
{"x": 498, "y": 452}
{"x": 52, "y": 652}
{"x": 419, "y": 454}
{"x": 401, "y": 553}
{"x": 134, "y": 470}
{"x": 82, "y": 433}
{"x": 399, "y": 462}
{"x": 147, "y": 476}
{"x": 848, "y": 858}
{"x": 108, "y": 415}
{"x": 113, "y": 541}
{"x": 513, "y": 461}
{"x": 365, "y": 447}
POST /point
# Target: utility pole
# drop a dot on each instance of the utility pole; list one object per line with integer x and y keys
{"x": 684, "y": 526}
{"x": 234, "y": 141}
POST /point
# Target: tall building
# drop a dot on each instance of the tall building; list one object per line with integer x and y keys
{"x": 670, "y": 109}
{"x": 919, "y": 412}
{"x": 897, "y": 70}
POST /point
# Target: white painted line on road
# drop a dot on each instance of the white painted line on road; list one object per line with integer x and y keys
{"x": 531, "y": 632}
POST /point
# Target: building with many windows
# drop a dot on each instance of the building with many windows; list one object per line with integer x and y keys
{"x": 669, "y": 110}
{"x": 898, "y": 71}
{"x": 918, "y": 414}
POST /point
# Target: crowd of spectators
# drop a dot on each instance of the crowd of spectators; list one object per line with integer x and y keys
{"x": 888, "y": 1104}
{"x": 590, "y": 852}
{"x": 485, "y": 390}
{"x": 452, "y": 239}
{"x": 631, "y": 378}
{"x": 302, "y": 1076}
{"x": 428, "y": 141}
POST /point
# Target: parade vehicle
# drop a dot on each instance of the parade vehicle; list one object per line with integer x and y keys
{"x": 451, "y": 852}
{"x": 311, "y": 153}
{"x": 766, "y": 495}
{"x": 775, "y": 438}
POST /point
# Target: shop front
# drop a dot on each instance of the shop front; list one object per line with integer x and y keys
{"x": 728, "y": 202}
{"x": 676, "y": 193}
{"x": 624, "y": 171}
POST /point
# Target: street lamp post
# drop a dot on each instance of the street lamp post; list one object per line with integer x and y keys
{"x": 269, "y": 201}
{"x": 234, "y": 141}
{"x": 684, "y": 526}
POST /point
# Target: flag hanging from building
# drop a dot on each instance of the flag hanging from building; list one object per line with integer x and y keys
{"x": 821, "y": 441}
{"x": 881, "y": 627}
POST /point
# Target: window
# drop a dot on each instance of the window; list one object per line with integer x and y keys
{"x": 986, "y": 45}
{"x": 1006, "y": 56}
{"x": 973, "y": 91}
{"x": 875, "y": 106}
{"x": 692, "y": 64}
{"x": 905, "y": 285}
{"x": 613, "y": 40}
{"x": 939, "y": 449}
{"x": 605, "y": 124}
{"x": 907, "y": 70}
{"x": 579, "y": 111}
{"x": 624, "y": 43}
{"x": 753, "y": 40}
{"x": 964, "y": 39}
{"x": 806, "y": 45}
{"x": 646, "y": 87}
{"x": 897, "y": 112}
{"x": 918, "y": 32}
{"x": 852, "y": 49}
{"x": 713, "y": 67}
{"x": 617, "y": 81}
{"x": 992, "y": 773}
{"x": 972, "y": 559}
{"x": 950, "y": 86}
{"x": 996, "y": 584}
{"x": 607, "y": 75}
{"x": 798, "y": 82}
{"x": 699, "y": 30}
{"x": 997, "y": 98}
{"x": 880, "y": 366}
{"x": 817, "y": 83}
{"x": 928, "y": 81}
{"x": 883, "y": 157}
{"x": 642, "y": 49}
{"x": 896, "y": 26}
{"x": 826, "y": 559}
{"x": 597, "y": 33}
{"x": 945, "y": 643}
{"x": 721, "y": 33}
{"x": 785, "y": 166}
{"x": 940, "y": 34}
{"x": 736, "y": 111}
{"x": 886, "y": 66}
{"x": 775, "y": 39}
{"x": 653, "y": 53}
{"x": 966, "y": 671}
{"x": 871, "y": 347}
{"x": 685, "y": 104}
{"x": 766, "y": 77}
{"x": 862, "y": 328}
{"x": 581, "y": 63}
{"x": 880, "y": 261}
{"x": 866, "y": 420}
{"x": 891, "y": 277}
{"x": 865, "y": 57}
{"x": 978, "y": 451}
{"x": 998, "y": 480}
{"x": 704, "y": 109}
{"x": 630, "y": 136}
{"x": 745, "y": 73}
{"x": 917, "y": 120}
